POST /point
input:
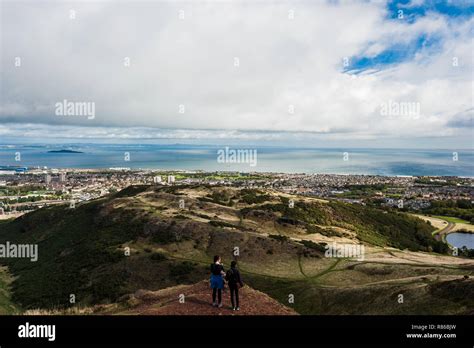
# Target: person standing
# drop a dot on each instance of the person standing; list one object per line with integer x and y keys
{"x": 217, "y": 281}
{"x": 234, "y": 280}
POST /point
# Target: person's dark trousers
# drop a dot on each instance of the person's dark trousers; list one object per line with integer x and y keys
{"x": 234, "y": 290}
{"x": 219, "y": 295}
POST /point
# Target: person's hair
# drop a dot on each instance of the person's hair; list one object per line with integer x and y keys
{"x": 216, "y": 258}
{"x": 233, "y": 264}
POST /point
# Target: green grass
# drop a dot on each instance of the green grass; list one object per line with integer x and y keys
{"x": 6, "y": 304}
{"x": 72, "y": 244}
{"x": 454, "y": 220}
{"x": 315, "y": 298}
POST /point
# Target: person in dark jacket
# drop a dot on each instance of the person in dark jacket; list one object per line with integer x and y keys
{"x": 234, "y": 281}
{"x": 217, "y": 281}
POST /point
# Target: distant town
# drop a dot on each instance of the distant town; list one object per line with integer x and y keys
{"x": 23, "y": 189}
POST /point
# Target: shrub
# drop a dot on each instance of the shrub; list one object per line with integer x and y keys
{"x": 312, "y": 245}
{"x": 182, "y": 269}
{"x": 221, "y": 224}
{"x": 279, "y": 237}
{"x": 157, "y": 257}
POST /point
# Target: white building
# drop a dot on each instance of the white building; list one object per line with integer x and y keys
{"x": 171, "y": 179}
{"x": 157, "y": 179}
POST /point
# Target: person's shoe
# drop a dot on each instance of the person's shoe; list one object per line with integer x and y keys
{"x": 233, "y": 308}
{"x": 214, "y": 304}
{"x": 237, "y": 309}
{"x": 220, "y": 305}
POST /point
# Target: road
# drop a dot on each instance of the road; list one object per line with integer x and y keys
{"x": 443, "y": 232}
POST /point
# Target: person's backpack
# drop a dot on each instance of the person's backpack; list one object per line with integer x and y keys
{"x": 230, "y": 276}
{"x": 215, "y": 270}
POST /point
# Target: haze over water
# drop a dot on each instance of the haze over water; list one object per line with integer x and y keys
{"x": 414, "y": 162}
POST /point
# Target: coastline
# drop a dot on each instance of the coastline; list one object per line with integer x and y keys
{"x": 267, "y": 159}
{"x": 36, "y": 169}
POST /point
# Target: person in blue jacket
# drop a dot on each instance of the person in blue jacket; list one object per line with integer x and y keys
{"x": 217, "y": 281}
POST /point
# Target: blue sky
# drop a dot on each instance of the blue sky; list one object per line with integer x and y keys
{"x": 395, "y": 54}
{"x": 455, "y": 10}
{"x": 265, "y": 72}
{"x": 413, "y": 9}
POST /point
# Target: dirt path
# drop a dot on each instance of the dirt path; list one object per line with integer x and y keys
{"x": 441, "y": 235}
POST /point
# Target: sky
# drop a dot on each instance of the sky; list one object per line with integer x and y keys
{"x": 315, "y": 73}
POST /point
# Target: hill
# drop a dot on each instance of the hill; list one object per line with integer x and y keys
{"x": 155, "y": 237}
{"x": 196, "y": 301}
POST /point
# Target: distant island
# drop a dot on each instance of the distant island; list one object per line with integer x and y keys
{"x": 64, "y": 151}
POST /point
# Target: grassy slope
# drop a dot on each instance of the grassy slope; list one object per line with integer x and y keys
{"x": 451, "y": 219}
{"x": 372, "y": 226}
{"x": 70, "y": 248}
{"x": 6, "y": 304}
{"x": 81, "y": 253}
{"x": 420, "y": 297}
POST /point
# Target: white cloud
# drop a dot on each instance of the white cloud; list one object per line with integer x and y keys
{"x": 283, "y": 63}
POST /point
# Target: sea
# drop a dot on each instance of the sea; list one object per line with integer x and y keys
{"x": 388, "y": 162}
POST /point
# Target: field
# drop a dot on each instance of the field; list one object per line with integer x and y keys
{"x": 452, "y": 219}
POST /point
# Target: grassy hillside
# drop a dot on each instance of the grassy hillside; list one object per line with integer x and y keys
{"x": 6, "y": 304}
{"x": 371, "y": 225}
{"x": 140, "y": 238}
{"x": 421, "y": 296}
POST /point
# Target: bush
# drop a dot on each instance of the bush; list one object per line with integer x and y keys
{"x": 279, "y": 237}
{"x": 181, "y": 217}
{"x": 182, "y": 269}
{"x": 312, "y": 245}
{"x": 253, "y": 196}
{"x": 216, "y": 223}
{"x": 158, "y": 257}
{"x": 165, "y": 236}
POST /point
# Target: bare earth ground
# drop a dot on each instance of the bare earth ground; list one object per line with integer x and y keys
{"x": 10, "y": 215}
{"x": 467, "y": 227}
{"x": 197, "y": 301}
